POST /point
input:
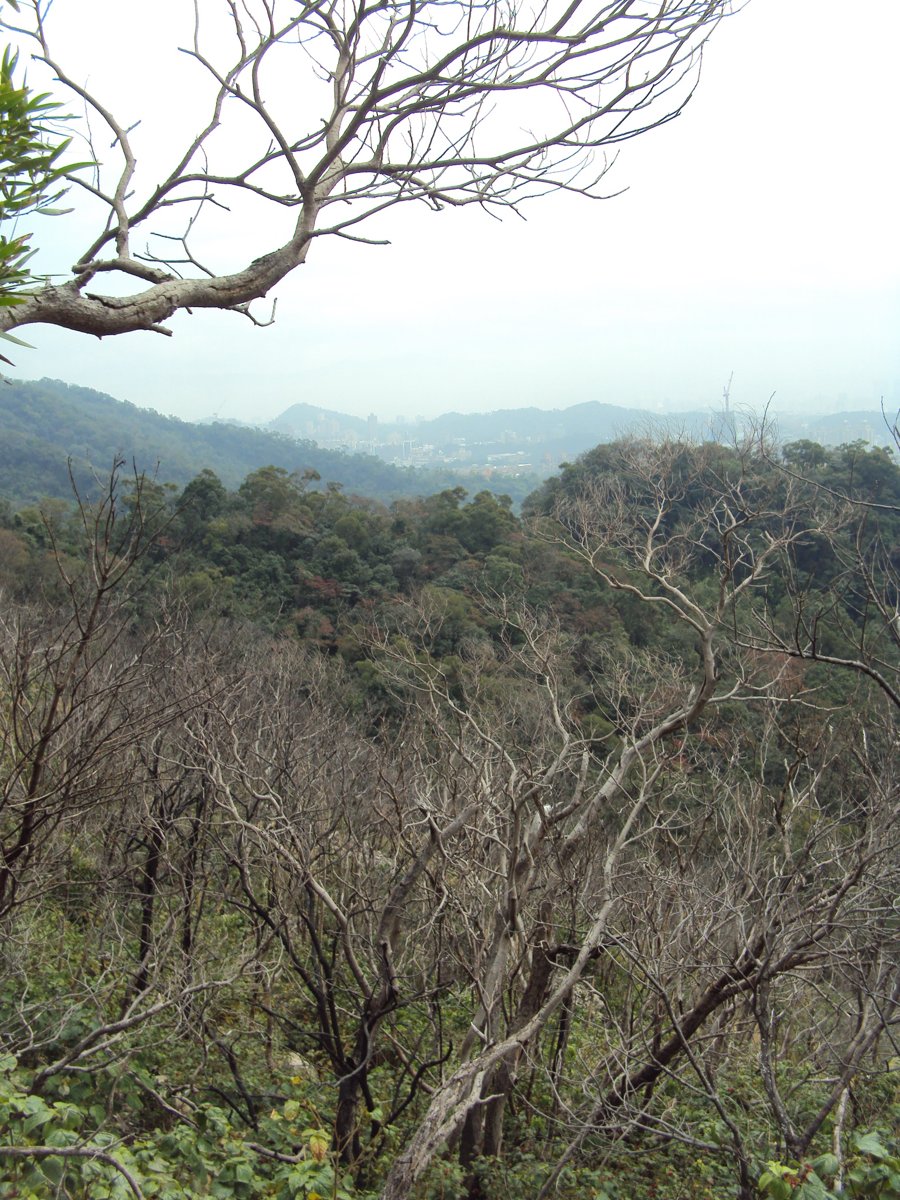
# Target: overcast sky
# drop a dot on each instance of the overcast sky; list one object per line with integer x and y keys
{"x": 758, "y": 237}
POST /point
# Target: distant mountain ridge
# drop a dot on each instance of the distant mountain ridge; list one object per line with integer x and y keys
{"x": 559, "y": 432}
{"x": 48, "y": 424}
{"x": 49, "y": 427}
{"x": 590, "y": 422}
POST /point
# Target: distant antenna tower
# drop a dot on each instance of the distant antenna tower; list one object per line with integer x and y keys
{"x": 728, "y": 426}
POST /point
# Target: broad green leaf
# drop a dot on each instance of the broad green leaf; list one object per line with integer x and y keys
{"x": 870, "y": 1143}
{"x": 825, "y": 1164}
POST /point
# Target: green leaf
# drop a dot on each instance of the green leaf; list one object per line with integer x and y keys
{"x": 52, "y": 1169}
{"x": 812, "y": 1188}
{"x": 36, "y": 1120}
{"x": 772, "y": 1183}
{"x": 825, "y": 1164}
{"x": 33, "y": 176}
{"x": 870, "y": 1143}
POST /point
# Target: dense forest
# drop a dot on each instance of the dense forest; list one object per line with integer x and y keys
{"x": 430, "y": 850}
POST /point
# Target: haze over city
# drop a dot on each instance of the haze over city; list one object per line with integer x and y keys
{"x": 756, "y": 242}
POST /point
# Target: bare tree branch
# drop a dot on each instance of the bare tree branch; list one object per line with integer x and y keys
{"x": 447, "y": 104}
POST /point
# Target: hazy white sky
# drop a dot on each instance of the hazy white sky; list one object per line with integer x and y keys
{"x": 758, "y": 237}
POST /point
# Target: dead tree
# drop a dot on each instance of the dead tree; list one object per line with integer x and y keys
{"x": 697, "y": 535}
{"x": 319, "y": 117}
{"x": 74, "y": 685}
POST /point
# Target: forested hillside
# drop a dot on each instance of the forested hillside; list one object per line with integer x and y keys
{"x": 353, "y": 850}
{"x": 50, "y": 427}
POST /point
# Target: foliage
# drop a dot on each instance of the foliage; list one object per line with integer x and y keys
{"x": 308, "y": 803}
{"x": 32, "y": 173}
{"x": 873, "y": 1169}
{"x": 205, "y": 1156}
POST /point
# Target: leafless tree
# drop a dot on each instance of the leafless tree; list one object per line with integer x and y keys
{"x": 425, "y": 908}
{"x": 324, "y": 115}
{"x": 700, "y": 884}
{"x": 74, "y": 687}
{"x": 97, "y": 818}
{"x": 304, "y": 817}
{"x": 754, "y": 924}
{"x": 849, "y": 618}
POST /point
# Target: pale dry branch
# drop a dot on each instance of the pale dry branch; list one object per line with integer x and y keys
{"x": 336, "y": 114}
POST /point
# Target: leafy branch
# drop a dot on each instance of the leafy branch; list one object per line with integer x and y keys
{"x": 33, "y": 175}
